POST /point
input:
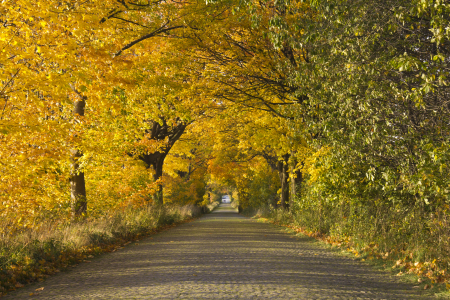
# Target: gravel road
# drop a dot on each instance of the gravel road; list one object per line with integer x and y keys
{"x": 222, "y": 255}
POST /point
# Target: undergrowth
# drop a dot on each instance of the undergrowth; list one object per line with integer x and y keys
{"x": 35, "y": 254}
{"x": 407, "y": 241}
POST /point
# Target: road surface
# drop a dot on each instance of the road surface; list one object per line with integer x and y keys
{"x": 222, "y": 255}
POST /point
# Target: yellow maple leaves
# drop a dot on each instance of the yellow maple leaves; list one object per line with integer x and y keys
{"x": 133, "y": 63}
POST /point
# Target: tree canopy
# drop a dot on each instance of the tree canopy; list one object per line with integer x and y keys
{"x": 342, "y": 105}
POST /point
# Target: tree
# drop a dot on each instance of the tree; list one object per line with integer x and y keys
{"x": 77, "y": 182}
{"x": 56, "y": 56}
{"x": 169, "y": 134}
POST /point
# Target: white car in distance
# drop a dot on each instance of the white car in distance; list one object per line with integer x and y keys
{"x": 226, "y": 199}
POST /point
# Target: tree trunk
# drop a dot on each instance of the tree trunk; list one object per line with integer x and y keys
{"x": 77, "y": 182}
{"x": 296, "y": 184}
{"x": 282, "y": 167}
{"x": 283, "y": 172}
{"x": 296, "y": 179}
{"x": 157, "y": 165}
{"x": 292, "y": 190}
{"x": 156, "y": 160}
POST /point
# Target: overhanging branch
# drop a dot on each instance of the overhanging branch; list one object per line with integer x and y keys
{"x": 147, "y": 36}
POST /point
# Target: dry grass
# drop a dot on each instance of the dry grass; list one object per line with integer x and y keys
{"x": 34, "y": 254}
{"x": 410, "y": 240}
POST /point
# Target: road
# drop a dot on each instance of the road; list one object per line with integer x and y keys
{"x": 222, "y": 255}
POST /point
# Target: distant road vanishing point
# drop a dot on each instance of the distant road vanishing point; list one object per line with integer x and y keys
{"x": 222, "y": 255}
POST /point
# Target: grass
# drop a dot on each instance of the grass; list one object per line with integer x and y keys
{"x": 35, "y": 254}
{"x": 422, "y": 270}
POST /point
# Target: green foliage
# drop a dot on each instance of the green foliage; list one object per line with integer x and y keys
{"x": 371, "y": 79}
{"x": 351, "y": 95}
{"x": 262, "y": 189}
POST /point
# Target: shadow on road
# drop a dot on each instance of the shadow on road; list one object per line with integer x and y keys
{"x": 225, "y": 208}
{"x": 222, "y": 255}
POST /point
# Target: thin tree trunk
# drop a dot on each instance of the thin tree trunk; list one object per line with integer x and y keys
{"x": 283, "y": 171}
{"x": 292, "y": 180}
{"x": 296, "y": 179}
{"x": 292, "y": 190}
{"x": 285, "y": 188}
{"x": 282, "y": 167}
{"x": 77, "y": 182}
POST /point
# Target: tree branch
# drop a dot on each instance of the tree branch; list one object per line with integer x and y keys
{"x": 147, "y": 36}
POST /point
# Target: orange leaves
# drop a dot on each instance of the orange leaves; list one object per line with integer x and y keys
{"x": 139, "y": 197}
{"x": 147, "y": 145}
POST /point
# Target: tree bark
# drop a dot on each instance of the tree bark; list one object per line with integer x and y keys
{"x": 282, "y": 167}
{"x": 156, "y": 160}
{"x": 283, "y": 172}
{"x": 296, "y": 184}
{"x": 296, "y": 179}
{"x": 292, "y": 178}
{"x": 77, "y": 181}
{"x": 158, "y": 167}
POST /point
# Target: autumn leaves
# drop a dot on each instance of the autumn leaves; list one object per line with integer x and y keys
{"x": 58, "y": 62}
{"x": 257, "y": 96}
{"x": 94, "y": 96}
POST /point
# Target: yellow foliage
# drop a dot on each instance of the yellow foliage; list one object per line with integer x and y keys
{"x": 312, "y": 165}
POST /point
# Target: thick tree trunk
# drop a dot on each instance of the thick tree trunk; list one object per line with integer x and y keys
{"x": 156, "y": 162}
{"x": 157, "y": 165}
{"x": 156, "y": 159}
{"x": 77, "y": 187}
{"x": 77, "y": 182}
{"x": 298, "y": 180}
